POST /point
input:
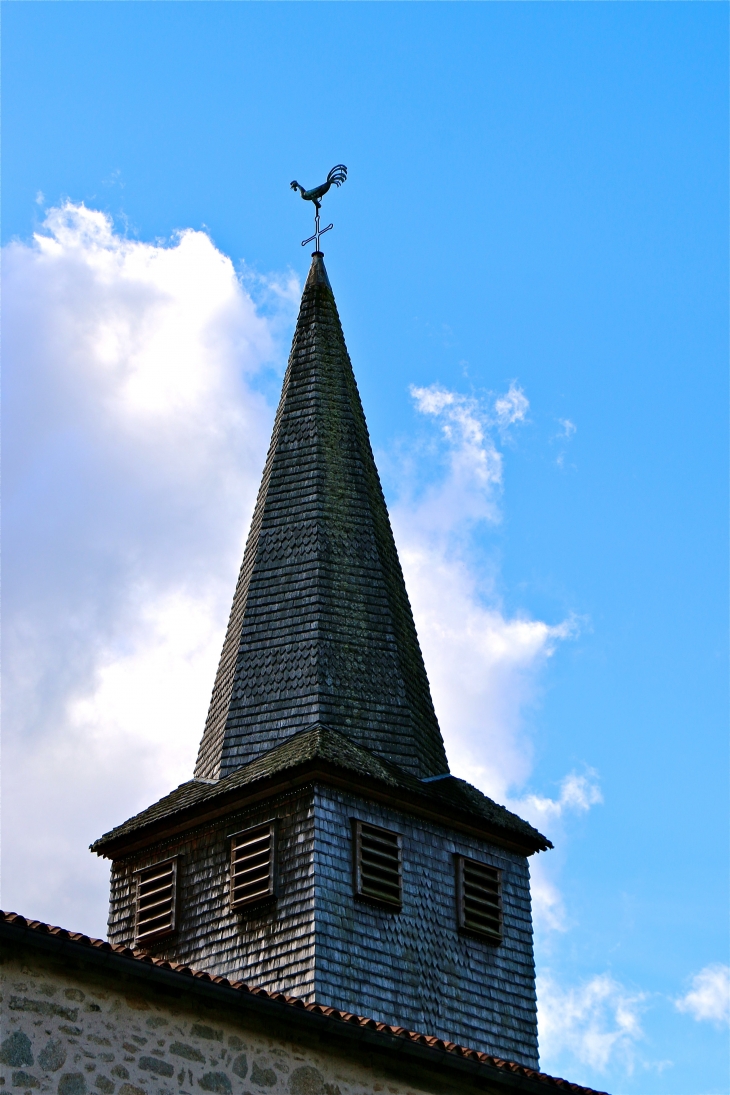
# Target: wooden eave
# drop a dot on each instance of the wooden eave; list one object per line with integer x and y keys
{"x": 311, "y": 772}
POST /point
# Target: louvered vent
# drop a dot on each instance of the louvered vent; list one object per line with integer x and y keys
{"x": 479, "y": 893}
{"x": 252, "y": 865}
{"x": 156, "y": 900}
{"x": 377, "y": 865}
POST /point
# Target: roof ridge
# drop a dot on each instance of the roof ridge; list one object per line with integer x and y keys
{"x": 430, "y": 1041}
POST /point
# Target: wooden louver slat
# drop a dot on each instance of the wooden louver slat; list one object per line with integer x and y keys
{"x": 377, "y": 865}
{"x": 252, "y": 865}
{"x": 479, "y": 898}
{"x": 156, "y": 899}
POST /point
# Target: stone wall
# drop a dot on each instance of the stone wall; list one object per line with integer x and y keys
{"x": 413, "y": 968}
{"x": 72, "y": 1032}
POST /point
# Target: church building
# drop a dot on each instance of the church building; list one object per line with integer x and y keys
{"x": 323, "y": 891}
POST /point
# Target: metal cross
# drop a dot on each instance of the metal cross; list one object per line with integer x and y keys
{"x": 317, "y": 231}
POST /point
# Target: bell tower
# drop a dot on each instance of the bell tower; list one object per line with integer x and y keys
{"x": 322, "y": 848}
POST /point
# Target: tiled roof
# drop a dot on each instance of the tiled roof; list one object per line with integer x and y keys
{"x": 336, "y": 750}
{"x": 321, "y": 628}
{"x": 513, "y": 1076}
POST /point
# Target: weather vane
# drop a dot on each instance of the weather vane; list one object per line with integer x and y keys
{"x": 337, "y": 175}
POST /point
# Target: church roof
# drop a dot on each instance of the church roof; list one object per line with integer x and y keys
{"x": 321, "y": 628}
{"x": 323, "y": 752}
{"x": 470, "y": 1069}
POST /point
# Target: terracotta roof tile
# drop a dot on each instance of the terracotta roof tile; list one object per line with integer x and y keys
{"x": 12, "y": 919}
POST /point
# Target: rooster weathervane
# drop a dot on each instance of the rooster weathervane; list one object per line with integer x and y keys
{"x": 337, "y": 175}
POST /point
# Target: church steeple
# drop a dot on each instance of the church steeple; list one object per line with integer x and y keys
{"x": 314, "y": 853}
{"x": 321, "y": 629}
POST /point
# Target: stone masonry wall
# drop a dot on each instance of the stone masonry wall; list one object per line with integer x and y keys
{"x": 272, "y": 946}
{"x": 413, "y": 968}
{"x": 68, "y": 1032}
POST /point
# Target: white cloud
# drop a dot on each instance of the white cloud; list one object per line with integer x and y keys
{"x": 134, "y": 446}
{"x": 548, "y": 906}
{"x": 566, "y": 432}
{"x": 471, "y": 489}
{"x": 708, "y": 999}
{"x": 482, "y": 664}
{"x": 596, "y": 1024}
{"x": 577, "y": 794}
{"x": 475, "y": 463}
{"x": 512, "y": 406}
{"x": 135, "y": 439}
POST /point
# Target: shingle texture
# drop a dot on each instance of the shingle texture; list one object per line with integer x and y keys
{"x": 408, "y": 968}
{"x": 413, "y": 967}
{"x": 322, "y": 743}
{"x": 271, "y": 945}
{"x": 321, "y": 627}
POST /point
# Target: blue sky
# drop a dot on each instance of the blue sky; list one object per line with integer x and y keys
{"x": 536, "y": 203}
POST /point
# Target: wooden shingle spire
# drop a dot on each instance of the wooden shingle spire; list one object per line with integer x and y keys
{"x": 321, "y": 630}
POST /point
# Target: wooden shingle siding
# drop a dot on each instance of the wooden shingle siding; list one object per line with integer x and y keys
{"x": 416, "y": 969}
{"x": 413, "y": 968}
{"x": 271, "y": 946}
